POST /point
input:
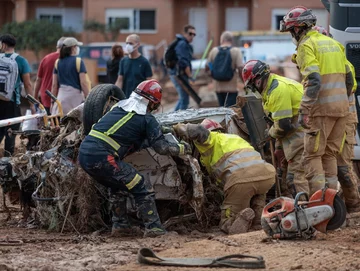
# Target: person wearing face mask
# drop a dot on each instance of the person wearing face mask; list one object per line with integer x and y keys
{"x": 128, "y": 127}
{"x": 324, "y": 108}
{"x": 70, "y": 82}
{"x": 134, "y": 68}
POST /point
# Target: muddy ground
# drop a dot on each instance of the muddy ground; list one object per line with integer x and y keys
{"x": 36, "y": 249}
{"x": 23, "y": 248}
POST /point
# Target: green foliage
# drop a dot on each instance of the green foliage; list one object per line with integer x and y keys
{"x": 34, "y": 35}
{"x": 94, "y": 26}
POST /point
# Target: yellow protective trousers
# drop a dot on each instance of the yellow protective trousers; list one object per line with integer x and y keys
{"x": 323, "y": 142}
{"x": 347, "y": 176}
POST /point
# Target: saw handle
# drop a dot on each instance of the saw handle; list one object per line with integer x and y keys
{"x": 297, "y": 197}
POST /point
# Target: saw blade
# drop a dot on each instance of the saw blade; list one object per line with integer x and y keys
{"x": 340, "y": 214}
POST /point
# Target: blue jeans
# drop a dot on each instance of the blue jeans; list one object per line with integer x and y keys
{"x": 183, "y": 101}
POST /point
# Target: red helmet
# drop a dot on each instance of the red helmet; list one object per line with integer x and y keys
{"x": 151, "y": 90}
{"x": 322, "y": 30}
{"x": 254, "y": 70}
{"x": 298, "y": 16}
{"x": 211, "y": 124}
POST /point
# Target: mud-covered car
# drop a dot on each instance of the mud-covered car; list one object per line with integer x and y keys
{"x": 64, "y": 195}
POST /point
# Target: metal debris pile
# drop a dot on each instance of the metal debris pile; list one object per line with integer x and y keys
{"x": 61, "y": 194}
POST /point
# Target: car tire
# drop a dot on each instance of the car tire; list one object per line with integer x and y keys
{"x": 96, "y": 101}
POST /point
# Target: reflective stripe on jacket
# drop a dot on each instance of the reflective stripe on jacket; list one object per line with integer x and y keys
{"x": 282, "y": 97}
{"x": 233, "y": 160}
{"x": 323, "y": 67}
{"x": 352, "y": 118}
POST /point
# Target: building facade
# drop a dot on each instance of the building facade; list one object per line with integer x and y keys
{"x": 157, "y": 21}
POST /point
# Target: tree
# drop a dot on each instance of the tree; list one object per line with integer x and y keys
{"x": 34, "y": 35}
{"x": 109, "y": 32}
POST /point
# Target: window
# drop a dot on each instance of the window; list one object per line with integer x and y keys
{"x": 278, "y": 18}
{"x": 132, "y": 20}
{"x": 51, "y": 18}
{"x": 68, "y": 18}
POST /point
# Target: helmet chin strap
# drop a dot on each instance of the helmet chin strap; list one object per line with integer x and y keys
{"x": 300, "y": 33}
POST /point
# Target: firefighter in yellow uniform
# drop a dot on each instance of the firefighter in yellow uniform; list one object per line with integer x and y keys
{"x": 234, "y": 162}
{"x": 324, "y": 108}
{"x": 281, "y": 97}
{"x": 347, "y": 176}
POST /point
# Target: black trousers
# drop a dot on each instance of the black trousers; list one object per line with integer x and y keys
{"x": 9, "y": 110}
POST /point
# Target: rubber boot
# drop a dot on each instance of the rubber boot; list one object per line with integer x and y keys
{"x": 349, "y": 187}
{"x": 242, "y": 221}
{"x": 121, "y": 225}
{"x": 148, "y": 213}
{"x": 316, "y": 183}
{"x": 257, "y": 204}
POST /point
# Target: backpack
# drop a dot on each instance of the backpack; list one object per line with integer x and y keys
{"x": 78, "y": 63}
{"x": 170, "y": 58}
{"x": 222, "y": 66}
{"x": 9, "y": 73}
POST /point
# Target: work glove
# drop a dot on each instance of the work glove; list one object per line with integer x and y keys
{"x": 181, "y": 130}
{"x": 304, "y": 121}
{"x": 267, "y": 135}
{"x": 167, "y": 130}
{"x": 186, "y": 148}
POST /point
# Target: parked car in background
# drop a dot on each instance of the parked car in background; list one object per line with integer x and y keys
{"x": 101, "y": 51}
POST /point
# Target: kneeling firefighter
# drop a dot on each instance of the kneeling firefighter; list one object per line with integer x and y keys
{"x": 127, "y": 128}
{"x": 231, "y": 160}
{"x": 281, "y": 97}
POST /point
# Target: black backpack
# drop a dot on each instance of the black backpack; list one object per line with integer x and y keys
{"x": 170, "y": 58}
{"x": 222, "y": 66}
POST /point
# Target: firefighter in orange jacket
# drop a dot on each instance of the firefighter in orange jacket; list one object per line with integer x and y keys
{"x": 234, "y": 162}
{"x": 324, "y": 108}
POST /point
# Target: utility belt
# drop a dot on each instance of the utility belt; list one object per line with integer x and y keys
{"x": 116, "y": 146}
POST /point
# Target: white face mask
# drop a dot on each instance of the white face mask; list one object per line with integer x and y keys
{"x": 129, "y": 48}
{"x": 77, "y": 50}
{"x": 294, "y": 41}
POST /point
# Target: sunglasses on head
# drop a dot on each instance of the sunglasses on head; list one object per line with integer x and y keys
{"x": 192, "y": 34}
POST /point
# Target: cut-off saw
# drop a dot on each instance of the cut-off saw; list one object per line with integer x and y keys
{"x": 286, "y": 218}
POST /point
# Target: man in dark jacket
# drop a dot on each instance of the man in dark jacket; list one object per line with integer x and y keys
{"x": 128, "y": 127}
{"x": 184, "y": 53}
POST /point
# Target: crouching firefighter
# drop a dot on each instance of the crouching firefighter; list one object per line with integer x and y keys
{"x": 128, "y": 127}
{"x": 234, "y": 163}
{"x": 281, "y": 97}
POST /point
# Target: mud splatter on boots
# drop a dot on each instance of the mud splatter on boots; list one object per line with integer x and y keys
{"x": 148, "y": 213}
{"x": 121, "y": 225}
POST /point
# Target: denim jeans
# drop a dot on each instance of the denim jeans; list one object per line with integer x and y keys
{"x": 183, "y": 101}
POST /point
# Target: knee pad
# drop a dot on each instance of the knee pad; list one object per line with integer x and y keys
{"x": 344, "y": 176}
